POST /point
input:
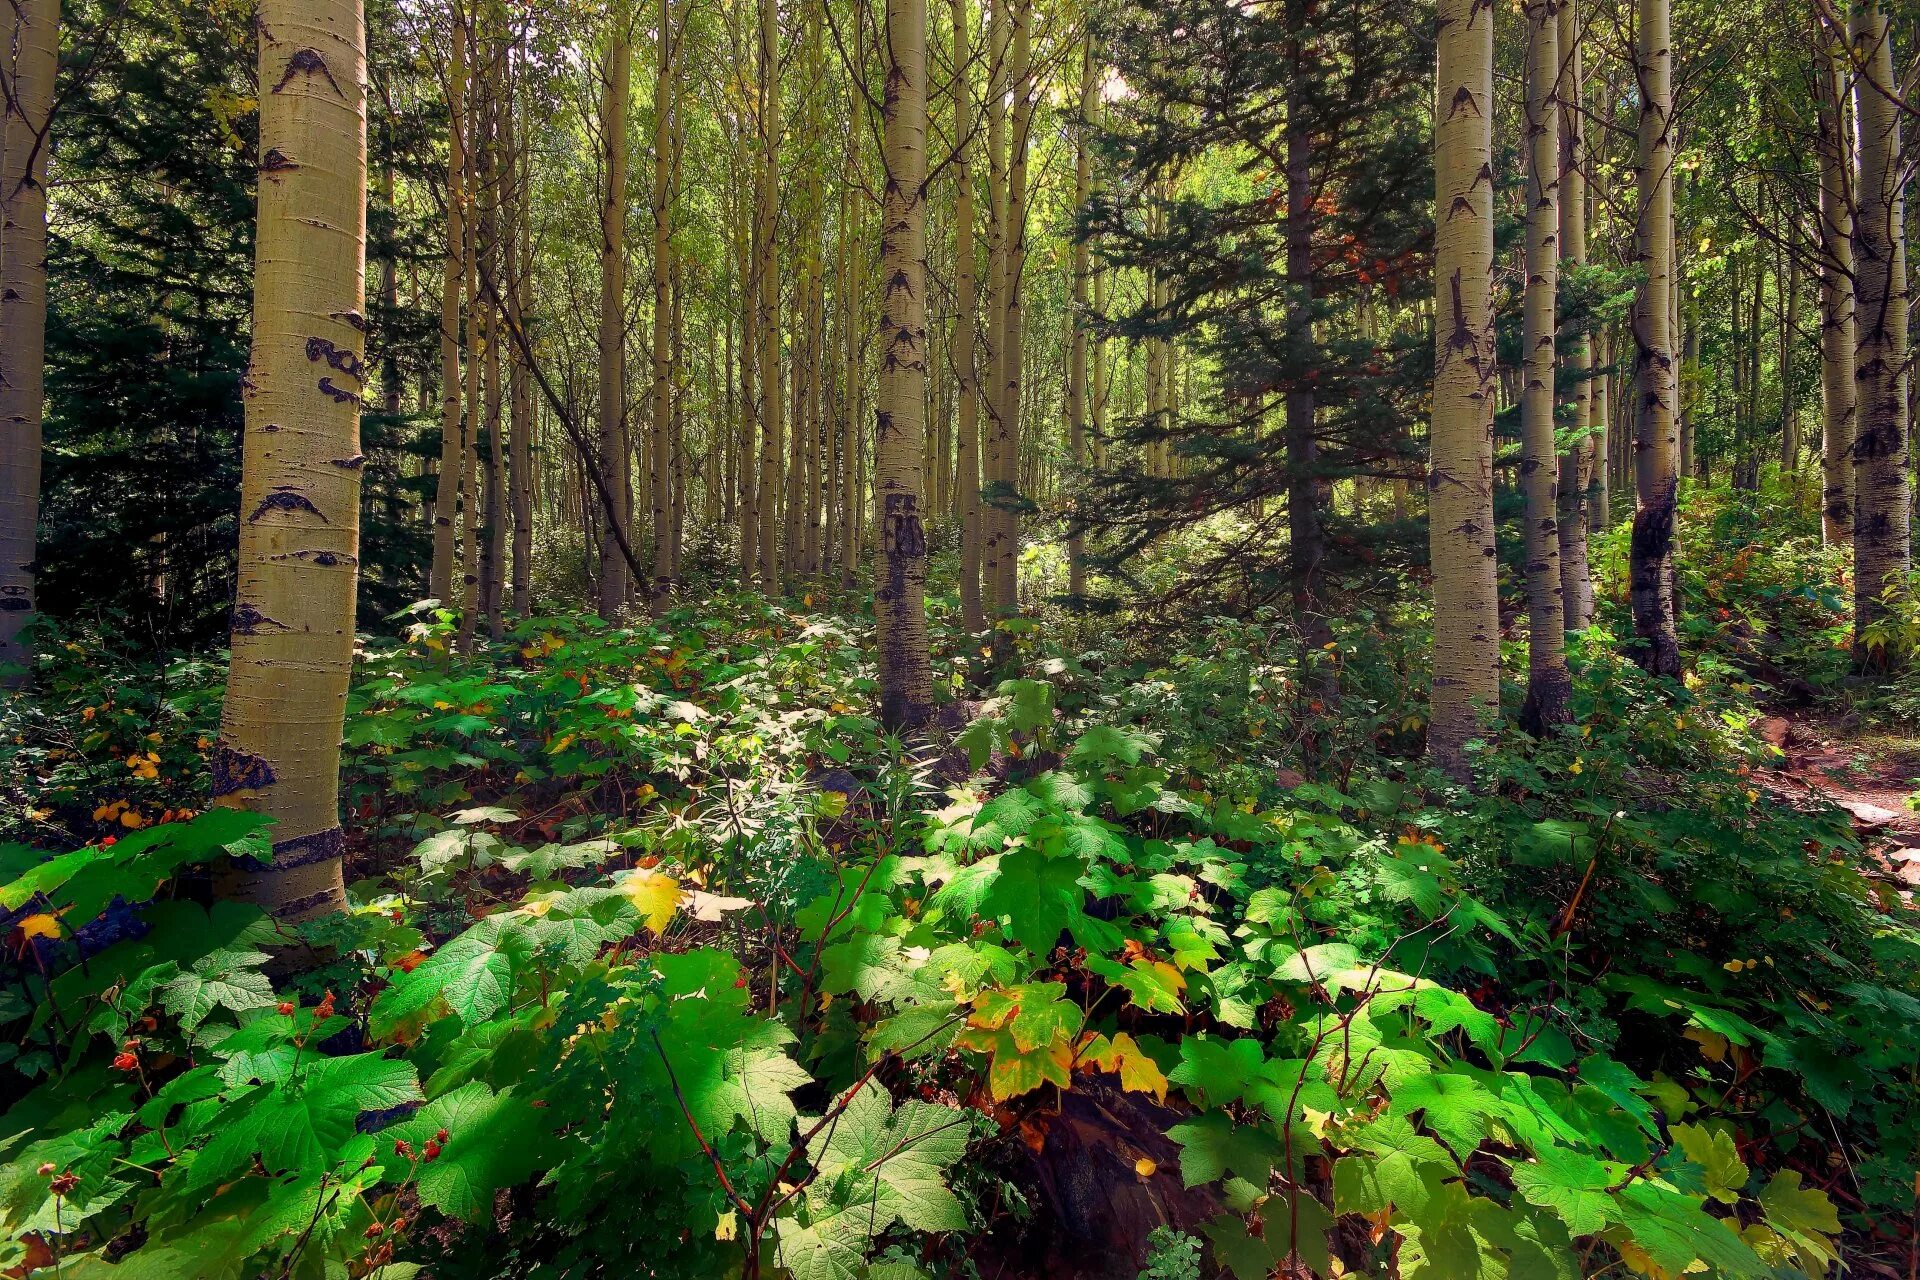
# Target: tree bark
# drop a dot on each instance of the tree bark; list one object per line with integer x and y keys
{"x": 659, "y": 480}
{"x": 1549, "y": 687}
{"x": 446, "y": 502}
{"x": 1466, "y": 621}
{"x": 23, "y": 317}
{"x": 279, "y": 746}
{"x": 1005, "y": 589}
{"x": 767, "y": 324}
{"x": 615, "y": 580}
{"x": 1077, "y": 346}
{"x": 1577, "y": 463}
{"x": 1837, "y": 390}
{"x": 900, "y": 565}
{"x": 1656, "y": 435}
{"x": 1882, "y": 557}
{"x": 966, "y": 322}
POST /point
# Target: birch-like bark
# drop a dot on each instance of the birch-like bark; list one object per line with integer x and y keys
{"x": 35, "y": 47}
{"x": 1656, "y": 444}
{"x": 1549, "y": 686}
{"x": 446, "y": 502}
{"x": 278, "y": 751}
{"x": 659, "y": 485}
{"x": 1077, "y": 347}
{"x": 966, "y": 322}
{"x": 900, "y": 563}
{"x": 1882, "y": 556}
{"x": 1837, "y": 390}
{"x": 767, "y": 268}
{"x": 1466, "y": 621}
{"x": 1577, "y": 463}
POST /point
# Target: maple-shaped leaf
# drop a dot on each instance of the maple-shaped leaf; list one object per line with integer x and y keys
{"x": 1804, "y": 1218}
{"x": 1293, "y": 1225}
{"x": 1212, "y": 1146}
{"x": 1214, "y": 1071}
{"x": 493, "y": 1141}
{"x": 1391, "y": 1172}
{"x": 1103, "y": 744}
{"x": 1570, "y": 1183}
{"x": 891, "y": 1162}
{"x": 1678, "y": 1235}
{"x": 1039, "y": 897}
{"x": 298, "y": 1125}
{"x": 866, "y": 964}
{"x": 1122, "y": 1055}
{"x": 220, "y": 980}
{"x": 1724, "y": 1174}
{"x": 654, "y": 894}
{"x": 1027, "y": 1032}
{"x": 474, "y": 973}
{"x": 828, "y": 1245}
{"x": 1452, "y": 1104}
{"x": 1153, "y": 985}
{"x": 1061, "y": 791}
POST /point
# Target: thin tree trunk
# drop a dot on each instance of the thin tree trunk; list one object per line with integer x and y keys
{"x": 965, "y": 325}
{"x": 1882, "y": 557}
{"x": 900, "y": 567}
{"x": 767, "y": 251}
{"x": 993, "y": 445}
{"x": 615, "y": 460}
{"x": 1549, "y": 687}
{"x": 1077, "y": 350}
{"x": 1656, "y": 435}
{"x": 660, "y": 481}
{"x": 1577, "y": 464}
{"x": 23, "y": 317}
{"x": 446, "y": 501}
{"x": 1306, "y": 491}
{"x": 1466, "y": 622}
{"x": 519, "y": 247}
{"x": 1005, "y": 590}
{"x": 279, "y": 747}
{"x": 1836, "y": 306}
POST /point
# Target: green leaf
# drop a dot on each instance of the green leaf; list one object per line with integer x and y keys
{"x": 1212, "y": 1146}
{"x": 493, "y": 1141}
{"x": 297, "y": 1126}
{"x": 891, "y": 1162}
{"x": 222, "y": 980}
{"x": 1571, "y": 1184}
{"x": 1718, "y": 1158}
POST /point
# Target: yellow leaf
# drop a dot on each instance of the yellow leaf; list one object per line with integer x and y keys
{"x": 654, "y": 895}
{"x": 728, "y": 1227}
{"x": 40, "y": 926}
{"x": 1145, "y": 1168}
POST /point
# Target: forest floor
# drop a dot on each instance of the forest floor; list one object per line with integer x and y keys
{"x": 1869, "y": 774}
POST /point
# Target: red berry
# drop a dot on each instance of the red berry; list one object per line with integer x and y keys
{"x": 125, "y": 1062}
{"x": 286, "y": 1007}
{"x": 432, "y": 1151}
{"x": 402, "y": 1149}
{"x": 441, "y": 1137}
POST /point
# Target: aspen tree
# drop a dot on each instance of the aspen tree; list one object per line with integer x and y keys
{"x": 659, "y": 481}
{"x": 520, "y": 389}
{"x": 27, "y": 141}
{"x": 614, "y": 457}
{"x": 1656, "y": 445}
{"x": 767, "y": 269}
{"x": 446, "y": 500}
{"x": 1836, "y": 304}
{"x": 900, "y": 562}
{"x": 1005, "y": 589}
{"x": 1466, "y": 621}
{"x": 747, "y": 271}
{"x": 493, "y": 548}
{"x": 278, "y": 751}
{"x": 1882, "y": 557}
{"x": 993, "y": 443}
{"x": 853, "y": 495}
{"x": 965, "y": 325}
{"x": 1548, "y": 684}
{"x": 1306, "y": 542}
{"x": 472, "y": 422}
{"x": 1577, "y": 464}
{"x": 1078, "y": 319}
{"x": 1600, "y": 425}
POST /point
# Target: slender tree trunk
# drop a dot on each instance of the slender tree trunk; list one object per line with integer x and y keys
{"x": 659, "y": 481}
{"x": 519, "y": 248}
{"x": 767, "y": 247}
{"x": 993, "y": 446}
{"x": 473, "y": 422}
{"x": 446, "y": 501}
{"x": 1549, "y": 687}
{"x": 900, "y": 566}
{"x": 615, "y": 459}
{"x": 279, "y": 747}
{"x": 1656, "y": 435}
{"x": 1789, "y": 347}
{"x": 23, "y": 317}
{"x": 492, "y": 169}
{"x": 1882, "y": 557}
{"x": 1005, "y": 589}
{"x": 1077, "y": 345}
{"x": 748, "y": 487}
{"x": 1576, "y": 465}
{"x": 965, "y": 325}
{"x": 1466, "y": 621}
{"x": 1836, "y": 305}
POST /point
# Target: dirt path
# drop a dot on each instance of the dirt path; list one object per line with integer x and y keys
{"x": 1868, "y": 775}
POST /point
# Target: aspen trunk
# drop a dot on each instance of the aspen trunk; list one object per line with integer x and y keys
{"x": 1548, "y": 685}
{"x": 993, "y": 444}
{"x": 493, "y": 547}
{"x": 1656, "y": 445}
{"x": 1600, "y": 423}
{"x": 747, "y": 487}
{"x": 853, "y": 495}
{"x": 1466, "y": 622}
{"x": 1836, "y": 306}
{"x": 659, "y": 480}
{"x": 446, "y": 500}
{"x": 519, "y": 248}
{"x": 767, "y": 254}
{"x": 23, "y": 317}
{"x": 473, "y": 422}
{"x": 279, "y": 746}
{"x": 1577, "y": 464}
{"x": 1005, "y": 589}
{"x": 1882, "y": 557}
{"x": 1077, "y": 348}
{"x": 965, "y": 326}
{"x": 1306, "y": 491}
{"x": 900, "y": 563}
{"x": 614, "y": 458}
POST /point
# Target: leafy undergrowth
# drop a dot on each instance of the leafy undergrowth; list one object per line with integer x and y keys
{"x": 663, "y": 960}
